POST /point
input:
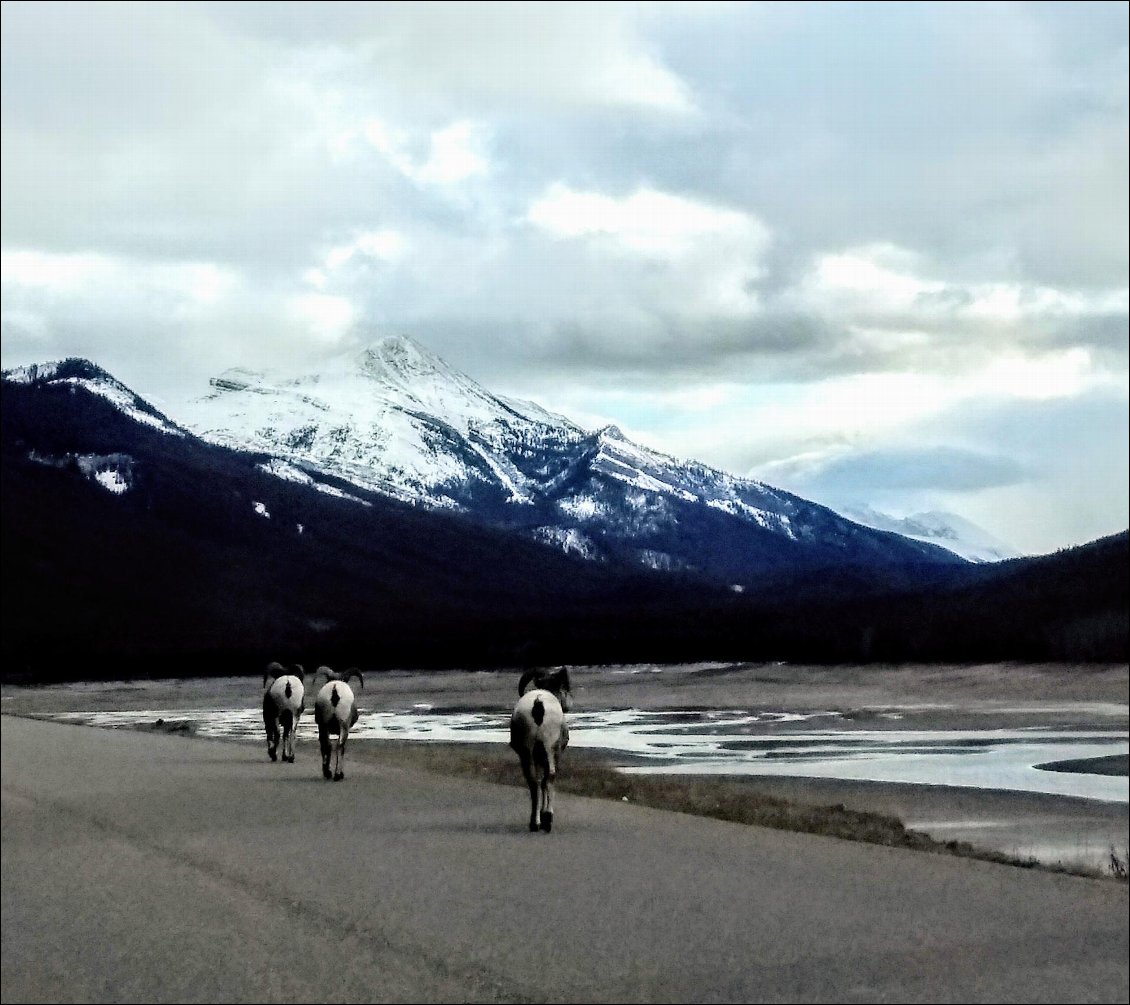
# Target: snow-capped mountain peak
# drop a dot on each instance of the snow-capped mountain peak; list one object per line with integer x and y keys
{"x": 392, "y": 417}
{"x": 392, "y": 372}
{"x": 402, "y": 369}
{"x": 401, "y": 361}
{"x": 395, "y": 418}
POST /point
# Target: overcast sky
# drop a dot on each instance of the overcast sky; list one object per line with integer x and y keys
{"x": 870, "y": 253}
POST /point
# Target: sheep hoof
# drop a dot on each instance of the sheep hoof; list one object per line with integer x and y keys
{"x": 289, "y": 760}
{"x": 271, "y": 755}
{"x": 534, "y": 828}
{"x": 339, "y": 776}
{"x": 547, "y": 822}
{"x": 326, "y": 773}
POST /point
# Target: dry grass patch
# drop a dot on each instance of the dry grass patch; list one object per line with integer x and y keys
{"x": 588, "y": 773}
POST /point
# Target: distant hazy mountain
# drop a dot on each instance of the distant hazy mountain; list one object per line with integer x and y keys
{"x": 397, "y": 419}
{"x": 948, "y": 530}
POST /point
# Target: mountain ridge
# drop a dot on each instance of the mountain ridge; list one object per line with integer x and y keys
{"x": 134, "y": 548}
{"x": 205, "y": 552}
{"x": 396, "y": 418}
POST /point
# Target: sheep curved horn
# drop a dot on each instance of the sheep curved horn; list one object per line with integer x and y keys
{"x": 323, "y": 671}
{"x": 539, "y": 677}
{"x": 273, "y": 670}
{"x": 561, "y": 686}
{"x": 353, "y": 672}
{"x": 299, "y": 672}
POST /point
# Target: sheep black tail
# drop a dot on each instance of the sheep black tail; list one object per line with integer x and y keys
{"x": 538, "y": 711}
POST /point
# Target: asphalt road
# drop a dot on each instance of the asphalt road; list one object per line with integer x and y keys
{"x": 145, "y": 867}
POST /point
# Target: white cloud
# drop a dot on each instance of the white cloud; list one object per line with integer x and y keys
{"x": 878, "y": 276}
{"x": 769, "y": 229}
{"x": 707, "y": 256}
{"x": 45, "y": 274}
{"x": 648, "y": 222}
{"x": 1013, "y": 302}
{"x": 53, "y": 271}
{"x": 328, "y": 318}
{"x": 383, "y": 245}
{"x": 1065, "y": 374}
{"x": 454, "y": 153}
{"x": 891, "y": 303}
{"x": 453, "y": 156}
{"x": 529, "y": 54}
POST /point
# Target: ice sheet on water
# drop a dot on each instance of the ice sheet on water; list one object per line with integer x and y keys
{"x": 725, "y": 741}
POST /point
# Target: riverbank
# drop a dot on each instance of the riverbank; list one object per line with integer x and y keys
{"x": 1053, "y": 829}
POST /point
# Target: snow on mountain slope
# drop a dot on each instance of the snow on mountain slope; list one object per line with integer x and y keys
{"x": 393, "y": 418}
{"x": 81, "y": 373}
{"x": 950, "y": 531}
{"x": 397, "y": 419}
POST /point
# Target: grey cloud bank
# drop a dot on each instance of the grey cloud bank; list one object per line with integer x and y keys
{"x": 838, "y": 243}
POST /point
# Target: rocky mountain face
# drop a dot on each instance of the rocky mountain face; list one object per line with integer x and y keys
{"x": 398, "y": 420}
{"x": 125, "y": 535}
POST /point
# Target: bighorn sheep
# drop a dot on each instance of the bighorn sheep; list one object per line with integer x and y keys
{"x": 539, "y": 735}
{"x": 283, "y": 706}
{"x": 335, "y": 712}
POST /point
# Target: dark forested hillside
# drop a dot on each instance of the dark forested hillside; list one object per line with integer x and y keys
{"x": 131, "y": 547}
{"x": 207, "y": 558}
{"x": 1068, "y": 607}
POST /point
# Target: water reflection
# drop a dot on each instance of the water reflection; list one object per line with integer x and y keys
{"x": 733, "y": 742}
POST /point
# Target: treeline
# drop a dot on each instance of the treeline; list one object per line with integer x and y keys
{"x": 182, "y": 575}
{"x": 1072, "y": 608}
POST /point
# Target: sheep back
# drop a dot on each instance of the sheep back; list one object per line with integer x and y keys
{"x": 287, "y": 692}
{"x": 537, "y": 716}
{"x": 335, "y": 705}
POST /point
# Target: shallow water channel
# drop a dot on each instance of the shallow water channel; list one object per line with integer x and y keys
{"x": 735, "y": 742}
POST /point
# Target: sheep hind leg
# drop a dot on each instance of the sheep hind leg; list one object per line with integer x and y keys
{"x": 543, "y": 793}
{"x": 327, "y": 750}
{"x": 288, "y": 736}
{"x": 339, "y": 756}
{"x": 271, "y": 724}
{"x": 532, "y": 785}
{"x": 548, "y": 780}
